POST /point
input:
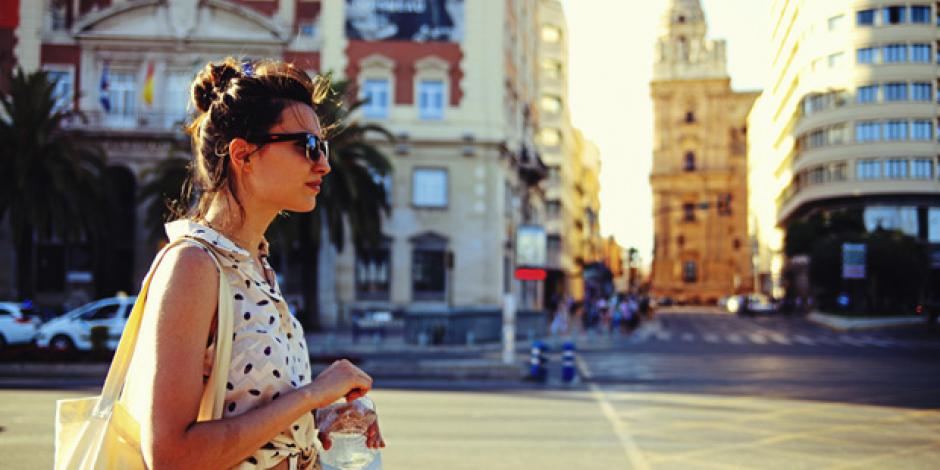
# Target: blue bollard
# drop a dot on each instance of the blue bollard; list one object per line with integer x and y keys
{"x": 567, "y": 363}
{"x": 537, "y": 362}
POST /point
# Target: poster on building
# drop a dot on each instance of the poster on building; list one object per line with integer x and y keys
{"x": 530, "y": 246}
{"x": 405, "y": 20}
{"x": 853, "y": 261}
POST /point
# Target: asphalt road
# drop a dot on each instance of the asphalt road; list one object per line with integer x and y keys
{"x": 686, "y": 391}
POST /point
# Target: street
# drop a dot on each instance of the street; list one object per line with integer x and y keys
{"x": 685, "y": 391}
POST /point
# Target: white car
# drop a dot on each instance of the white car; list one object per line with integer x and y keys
{"x": 15, "y": 326}
{"x": 72, "y": 331}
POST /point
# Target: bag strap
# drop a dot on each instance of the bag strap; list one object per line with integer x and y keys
{"x": 214, "y": 394}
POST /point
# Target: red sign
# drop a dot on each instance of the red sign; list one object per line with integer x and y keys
{"x": 530, "y": 274}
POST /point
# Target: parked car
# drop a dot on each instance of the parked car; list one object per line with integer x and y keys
{"x": 16, "y": 325}
{"x": 72, "y": 331}
{"x": 752, "y": 304}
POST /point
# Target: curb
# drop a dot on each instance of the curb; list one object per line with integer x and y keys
{"x": 453, "y": 369}
{"x": 845, "y": 324}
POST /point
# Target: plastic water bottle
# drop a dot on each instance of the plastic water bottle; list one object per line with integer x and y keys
{"x": 347, "y": 424}
{"x": 349, "y": 452}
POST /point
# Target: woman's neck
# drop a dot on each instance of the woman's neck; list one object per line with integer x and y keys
{"x": 247, "y": 232}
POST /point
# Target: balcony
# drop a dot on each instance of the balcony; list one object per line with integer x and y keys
{"x": 136, "y": 121}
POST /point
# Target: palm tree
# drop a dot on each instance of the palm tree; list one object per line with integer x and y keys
{"x": 352, "y": 196}
{"x": 163, "y": 183}
{"x": 55, "y": 185}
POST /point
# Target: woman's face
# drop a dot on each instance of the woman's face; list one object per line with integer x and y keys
{"x": 281, "y": 175}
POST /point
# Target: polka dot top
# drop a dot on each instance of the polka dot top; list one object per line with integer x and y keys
{"x": 269, "y": 351}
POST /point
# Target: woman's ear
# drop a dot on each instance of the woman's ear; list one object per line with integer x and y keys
{"x": 240, "y": 152}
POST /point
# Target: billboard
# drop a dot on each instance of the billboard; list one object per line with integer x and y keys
{"x": 530, "y": 246}
{"x": 405, "y": 20}
{"x": 853, "y": 261}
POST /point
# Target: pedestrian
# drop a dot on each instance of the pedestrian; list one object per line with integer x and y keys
{"x": 259, "y": 149}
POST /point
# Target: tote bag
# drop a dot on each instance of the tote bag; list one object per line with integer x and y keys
{"x": 99, "y": 433}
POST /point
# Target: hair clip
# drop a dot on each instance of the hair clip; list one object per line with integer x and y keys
{"x": 247, "y": 68}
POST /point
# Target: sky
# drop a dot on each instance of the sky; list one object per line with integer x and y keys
{"x": 610, "y": 47}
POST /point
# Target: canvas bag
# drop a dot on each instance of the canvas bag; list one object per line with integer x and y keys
{"x": 99, "y": 433}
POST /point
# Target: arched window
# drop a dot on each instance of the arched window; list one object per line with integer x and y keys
{"x": 689, "y": 117}
{"x": 689, "y": 161}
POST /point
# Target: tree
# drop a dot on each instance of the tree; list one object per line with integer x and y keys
{"x": 353, "y": 195}
{"x": 163, "y": 184}
{"x": 55, "y": 185}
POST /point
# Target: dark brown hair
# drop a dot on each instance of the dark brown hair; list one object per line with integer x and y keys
{"x": 236, "y": 99}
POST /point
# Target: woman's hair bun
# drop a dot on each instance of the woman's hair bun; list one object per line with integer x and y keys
{"x": 212, "y": 83}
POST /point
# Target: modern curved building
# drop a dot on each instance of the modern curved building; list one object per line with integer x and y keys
{"x": 847, "y": 119}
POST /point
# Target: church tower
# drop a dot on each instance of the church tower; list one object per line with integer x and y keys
{"x": 699, "y": 175}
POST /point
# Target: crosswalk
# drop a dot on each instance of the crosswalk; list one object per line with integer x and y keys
{"x": 747, "y": 334}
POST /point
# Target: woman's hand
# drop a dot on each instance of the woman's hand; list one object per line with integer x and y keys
{"x": 373, "y": 435}
{"x": 341, "y": 379}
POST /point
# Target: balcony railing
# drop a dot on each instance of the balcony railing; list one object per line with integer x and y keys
{"x": 147, "y": 120}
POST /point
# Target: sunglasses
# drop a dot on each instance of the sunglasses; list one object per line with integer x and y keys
{"x": 314, "y": 145}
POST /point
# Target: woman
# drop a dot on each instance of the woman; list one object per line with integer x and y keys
{"x": 259, "y": 149}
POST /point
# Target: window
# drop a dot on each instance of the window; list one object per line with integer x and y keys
{"x": 835, "y": 60}
{"x": 58, "y": 15}
{"x": 817, "y": 175}
{"x": 552, "y": 209}
{"x": 177, "y": 97}
{"x": 922, "y": 168}
{"x": 838, "y": 172}
{"x": 122, "y": 95}
{"x": 552, "y": 68}
{"x": 921, "y": 91}
{"x": 373, "y": 272}
{"x": 893, "y": 15}
{"x": 920, "y": 53}
{"x": 867, "y": 131}
{"x": 896, "y": 91}
{"x": 865, "y": 55}
{"x": 894, "y": 53}
{"x": 104, "y": 312}
{"x": 689, "y": 161}
{"x": 922, "y": 129}
{"x": 836, "y": 134}
{"x": 865, "y": 18}
{"x": 307, "y": 28}
{"x": 551, "y": 34}
{"x": 429, "y": 267}
{"x": 431, "y": 99}
{"x": 895, "y": 130}
{"x": 891, "y": 218}
{"x": 63, "y": 90}
{"x": 866, "y": 94}
{"x": 896, "y": 168}
{"x": 816, "y": 139}
{"x": 553, "y": 246}
{"x": 550, "y": 137}
{"x": 920, "y": 14}
{"x": 688, "y": 211}
{"x": 376, "y": 94}
{"x": 689, "y": 272}
{"x": 868, "y": 170}
{"x": 836, "y": 22}
{"x": 429, "y": 187}
{"x": 550, "y": 104}
{"x": 689, "y": 117}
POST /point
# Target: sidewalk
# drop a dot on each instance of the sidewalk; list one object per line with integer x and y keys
{"x": 841, "y": 323}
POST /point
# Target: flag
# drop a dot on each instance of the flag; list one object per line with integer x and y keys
{"x": 148, "y": 85}
{"x": 103, "y": 96}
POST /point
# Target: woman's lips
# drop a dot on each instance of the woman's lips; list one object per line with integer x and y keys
{"x": 313, "y": 186}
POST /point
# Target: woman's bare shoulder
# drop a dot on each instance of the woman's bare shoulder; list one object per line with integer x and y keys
{"x": 186, "y": 281}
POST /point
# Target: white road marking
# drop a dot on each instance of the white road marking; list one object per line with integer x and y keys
{"x": 632, "y": 451}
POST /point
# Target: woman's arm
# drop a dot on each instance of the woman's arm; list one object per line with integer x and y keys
{"x": 180, "y": 306}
